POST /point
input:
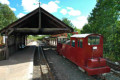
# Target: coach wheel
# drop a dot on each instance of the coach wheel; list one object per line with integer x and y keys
{"x": 81, "y": 69}
{"x": 63, "y": 56}
{"x": 57, "y": 53}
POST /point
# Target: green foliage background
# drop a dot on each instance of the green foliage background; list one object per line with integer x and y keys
{"x": 7, "y": 16}
{"x": 69, "y": 23}
{"x": 37, "y": 37}
{"x": 105, "y": 20}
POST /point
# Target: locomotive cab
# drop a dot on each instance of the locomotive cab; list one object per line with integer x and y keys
{"x": 89, "y": 48}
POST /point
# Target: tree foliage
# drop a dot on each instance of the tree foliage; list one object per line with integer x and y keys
{"x": 6, "y": 16}
{"x": 37, "y": 37}
{"x": 105, "y": 19}
{"x": 69, "y": 23}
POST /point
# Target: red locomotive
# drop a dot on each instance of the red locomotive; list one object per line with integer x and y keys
{"x": 86, "y": 51}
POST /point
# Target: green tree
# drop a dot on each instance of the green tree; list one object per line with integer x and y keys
{"x": 69, "y": 23}
{"x": 37, "y": 37}
{"x": 6, "y": 16}
{"x": 104, "y": 19}
{"x": 77, "y": 30}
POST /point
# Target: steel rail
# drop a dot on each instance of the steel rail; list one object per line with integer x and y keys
{"x": 40, "y": 63}
{"x": 114, "y": 68}
{"x": 43, "y": 60}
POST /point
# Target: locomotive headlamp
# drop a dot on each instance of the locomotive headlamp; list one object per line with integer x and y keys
{"x": 95, "y": 47}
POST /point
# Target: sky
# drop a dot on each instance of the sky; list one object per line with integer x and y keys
{"x": 76, "y": 11}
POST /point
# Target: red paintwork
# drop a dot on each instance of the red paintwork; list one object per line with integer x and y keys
{"x": 95, "y": 71}
{"x": 96, "y": 62}
{"x": 59, "y": 46}
{"x": 88, "y": 59}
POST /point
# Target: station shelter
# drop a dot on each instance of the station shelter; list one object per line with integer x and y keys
{"x": 37, "y": 22}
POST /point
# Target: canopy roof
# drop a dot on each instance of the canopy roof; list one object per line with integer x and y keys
{"x": 37, "y": 22}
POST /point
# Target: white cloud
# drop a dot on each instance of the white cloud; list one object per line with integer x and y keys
{"x": 20, "y": 15}
{"x": 80, "y": 21}
{"x": 29, "y": 5}
{"x": 13, "y": 9}
{"x": 57, "y": 1}
{"x": 73, "y": 12}
{"x": 51, "y": 7}
{"x": 5, "y": 2}
{"x": 69, "y": 8}
{"x": 63, "y": 11}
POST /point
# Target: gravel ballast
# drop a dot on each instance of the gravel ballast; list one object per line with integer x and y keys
{"x": 63, "y": 69}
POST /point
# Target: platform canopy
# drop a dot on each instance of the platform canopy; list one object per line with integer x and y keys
{"x": 38, "y": 22}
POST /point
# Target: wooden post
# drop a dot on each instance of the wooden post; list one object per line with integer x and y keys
{"x": 23, "y": 41}
{"x": 15, "y": 42}
{"x": 26, "y": 40}
{"x": 6, "y": 45}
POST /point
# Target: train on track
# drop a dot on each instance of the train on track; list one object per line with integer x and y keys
{"x": 86, "y": 51}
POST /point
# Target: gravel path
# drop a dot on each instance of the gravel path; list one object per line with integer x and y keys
{"x": 63, "y": 69}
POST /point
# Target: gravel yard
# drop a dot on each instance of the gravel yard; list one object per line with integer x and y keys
{"x": 63, "y": 69}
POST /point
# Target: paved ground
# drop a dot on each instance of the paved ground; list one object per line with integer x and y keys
{"x": 19, "y": 66}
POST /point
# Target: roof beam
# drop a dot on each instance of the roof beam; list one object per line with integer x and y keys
{"x": 34, "y": 30}
{"x": 37, "y": 30}
{"x": 11, "y": 30}
{"x": 53, "y": 29}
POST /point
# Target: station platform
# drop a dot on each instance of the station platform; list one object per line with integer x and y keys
{"x": 19, "y": 66}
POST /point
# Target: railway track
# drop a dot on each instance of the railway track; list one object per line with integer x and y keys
{"x": 113, "y": 65}
{"x": 114, "y": 68}
{"x": 45, "y": 70}
{"x": 99, "y": 77}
